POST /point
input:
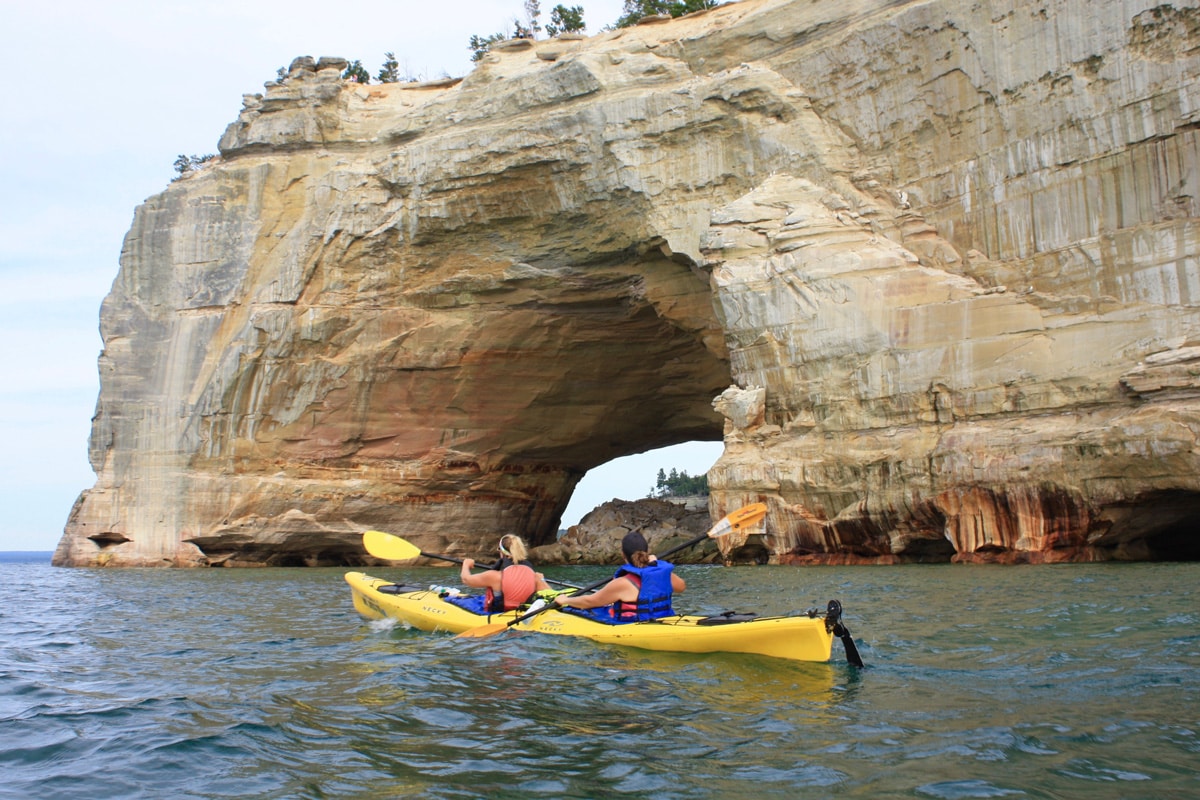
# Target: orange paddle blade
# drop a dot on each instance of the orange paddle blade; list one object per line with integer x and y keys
{"x": 482, "y": 631}
{"x": 743, "y": 517}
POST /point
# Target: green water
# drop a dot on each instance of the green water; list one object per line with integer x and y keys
{"x": 1074, "y": 681}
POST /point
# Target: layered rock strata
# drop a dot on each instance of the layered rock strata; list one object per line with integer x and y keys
{"x": 945, "y": 253}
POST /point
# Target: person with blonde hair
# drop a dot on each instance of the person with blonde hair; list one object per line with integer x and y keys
{"x": 511, "y": 582}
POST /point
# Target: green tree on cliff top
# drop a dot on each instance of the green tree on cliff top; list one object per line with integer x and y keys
{"x": 636, "y": 9}
{"x": 479, "y": 45}
{"x": 533, "y": 10}
{"x": 357, "y": 72}
{"x": 186, "y": 165}
{"x": 390, "y": 71}
{"x": 565, "y": 20}
{"x": 679, "y": 484}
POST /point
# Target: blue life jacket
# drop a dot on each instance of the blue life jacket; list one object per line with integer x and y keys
{"x": 654, "y": 593}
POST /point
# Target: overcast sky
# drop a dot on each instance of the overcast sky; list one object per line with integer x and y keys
{"x": 101, "y": 97}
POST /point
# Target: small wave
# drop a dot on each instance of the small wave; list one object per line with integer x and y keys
{"x": 266, "y": 683}
{"x": 960, "y": 790}
{"x": 386, "y": 625}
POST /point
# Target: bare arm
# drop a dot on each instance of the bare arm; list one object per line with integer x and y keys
{"x": 483, "y": 580}
{"x": 614, "y": 590}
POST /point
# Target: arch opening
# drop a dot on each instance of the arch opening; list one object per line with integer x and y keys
{"x": 634, "y": 477}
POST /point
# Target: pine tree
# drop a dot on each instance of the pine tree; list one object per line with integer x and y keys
{"x": 185, "y": 164}
{"x": 565, "y": 20}
{"x": 356, "y": 72}
{"x": 479, "y": 45}
{"x": 390, "y": 72}
{"x": 679, "y": 484}
{"x": 532, "y": 12}
{"x": 636, "y": 9}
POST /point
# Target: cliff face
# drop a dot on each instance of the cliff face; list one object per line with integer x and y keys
{"x": 938, "y": 260}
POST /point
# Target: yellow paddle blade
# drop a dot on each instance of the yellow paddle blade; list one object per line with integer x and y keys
{"x": 392, "y": 548}
{"x": 743, "y": 517}
{"x": 483, "y": 630}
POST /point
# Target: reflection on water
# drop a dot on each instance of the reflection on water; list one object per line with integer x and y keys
{"x": 1043, "y": 682}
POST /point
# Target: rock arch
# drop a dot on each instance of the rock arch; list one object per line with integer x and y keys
{"x": 967, "y": 285}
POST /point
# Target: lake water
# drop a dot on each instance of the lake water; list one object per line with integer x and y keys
{"x": 1079, "y": 681}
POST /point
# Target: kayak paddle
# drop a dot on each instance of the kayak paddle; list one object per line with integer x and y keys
{"x": 393, "y": 548}
{"x": 734, "y": 520}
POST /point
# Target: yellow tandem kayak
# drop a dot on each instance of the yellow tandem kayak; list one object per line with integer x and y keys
{"x": 798, "y": 638}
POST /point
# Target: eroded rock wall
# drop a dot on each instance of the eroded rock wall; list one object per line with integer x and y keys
{"x": 983, "y": 348}
{"x": 950, "y": 250}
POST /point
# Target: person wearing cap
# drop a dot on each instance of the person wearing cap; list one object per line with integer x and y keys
{"x": 640, "y": 590}
{"x": 511, "y": 582}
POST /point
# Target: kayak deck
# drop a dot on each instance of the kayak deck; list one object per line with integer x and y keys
{"x": 798, "y": 638}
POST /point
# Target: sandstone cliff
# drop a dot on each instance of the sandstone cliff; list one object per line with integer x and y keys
{"x": 937, "y": 259}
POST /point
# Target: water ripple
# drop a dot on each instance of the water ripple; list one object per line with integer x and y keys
{"x": 1035, "y": 682}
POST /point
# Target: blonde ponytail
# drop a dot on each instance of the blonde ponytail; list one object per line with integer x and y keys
{"x": 515, "y": 547}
